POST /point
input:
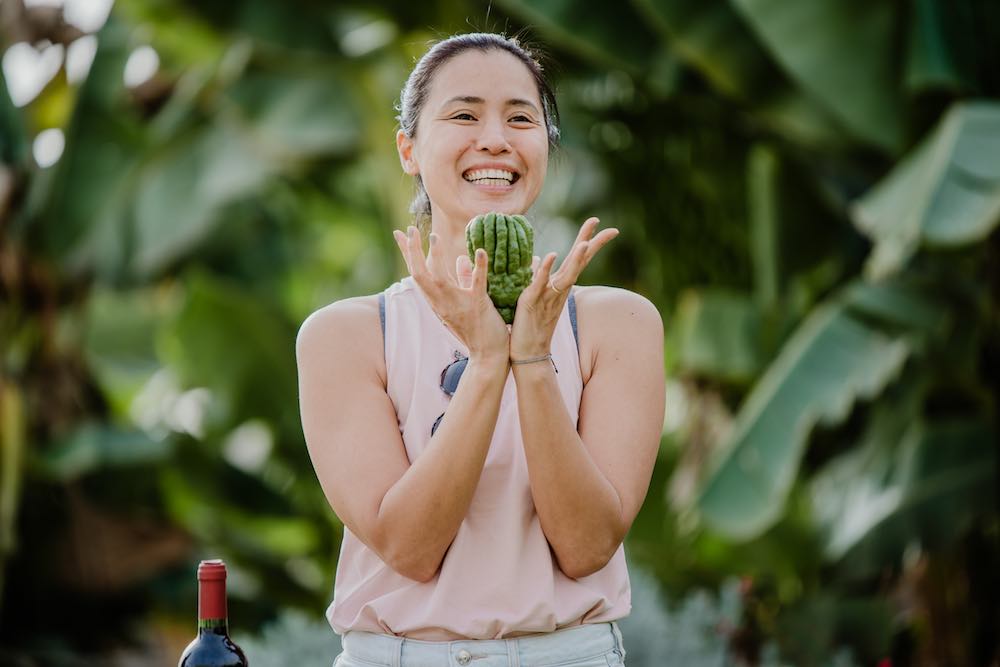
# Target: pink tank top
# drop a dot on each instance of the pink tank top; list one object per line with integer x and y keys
{"x": 498, "y": 578}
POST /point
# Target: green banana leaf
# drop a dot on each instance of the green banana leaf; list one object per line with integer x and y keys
{"x": 613, "y": 35}
{"x": 713, "y": 39}
{"x": 709, "y": 37}
{"x": 13, "y": 138}
{"x": 945, "y": 193}
{"x": 909, "y": 480}
{"x": 298, "y": 114}
{"x": 267, "y": 124}
{"x": 213, "y": 516}
{"x": 903, "y": 303}
{"x": 719, "y": 335}
{"x": 93, "y": 447}
{"x": 932, "y": 61}
{"x": 816, "y": 629}
{"x": 183, "y": 190}
{"x": 77, "y": 209}
{"x": 295, "y": 25}
{"x": 829, "y": 362}
{"x": 764, "y": 204}
{"x": 118, "y": 340}
{"x": 242, "y": 350}
{"x": 840, "y": 52}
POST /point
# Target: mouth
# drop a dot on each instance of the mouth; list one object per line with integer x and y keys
{"x": 491, "y": 177}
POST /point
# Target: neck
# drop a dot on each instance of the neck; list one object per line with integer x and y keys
{"x": 451, "y": 237}
{"x": 213, "y": 626}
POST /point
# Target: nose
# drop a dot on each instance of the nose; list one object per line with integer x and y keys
{"x": 493, "y": 137}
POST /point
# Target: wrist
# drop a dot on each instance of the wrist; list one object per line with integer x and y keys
{"x": 543, "y": 361}
{"x": 489, "y": 363}
{"x": 530, "y": 351}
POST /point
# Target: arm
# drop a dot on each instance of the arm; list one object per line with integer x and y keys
{"x": 589, "y": 484}
{"x": 407, "y": 514}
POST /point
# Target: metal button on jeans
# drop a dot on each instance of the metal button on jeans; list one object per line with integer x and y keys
{"x": 463, "y": 657}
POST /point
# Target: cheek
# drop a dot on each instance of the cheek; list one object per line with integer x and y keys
{"x": 541, "y": 163}
{"x": 440, "y": 152}
{"x": 538, "y": 147}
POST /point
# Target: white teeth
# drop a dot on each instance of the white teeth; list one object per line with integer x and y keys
{"x": 500, "y": 175}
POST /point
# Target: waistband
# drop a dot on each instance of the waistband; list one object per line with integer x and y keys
{"x": 574, "y": 643}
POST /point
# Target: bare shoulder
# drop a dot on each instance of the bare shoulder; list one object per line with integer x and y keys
{"x": 616, "y": 321}
{"x": 347, "y": 326}
{"x": 614, "y": 309}
{"x": 352, "y": 315}
{"x": 604, "y": 295}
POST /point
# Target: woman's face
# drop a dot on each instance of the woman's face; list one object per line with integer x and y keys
{"x": 481, "y": 143}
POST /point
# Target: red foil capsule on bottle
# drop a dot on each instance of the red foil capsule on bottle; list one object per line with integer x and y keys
{"x": 212, "y": 590}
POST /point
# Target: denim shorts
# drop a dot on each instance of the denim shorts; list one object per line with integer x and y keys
{"x": 590, "y": 645}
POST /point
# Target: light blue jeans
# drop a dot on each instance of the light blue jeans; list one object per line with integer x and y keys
{"x": 591, "y": 645}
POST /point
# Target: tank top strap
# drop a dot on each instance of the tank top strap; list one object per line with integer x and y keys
{"x": 572, "y": 319}
{"x": 381, "y": 317}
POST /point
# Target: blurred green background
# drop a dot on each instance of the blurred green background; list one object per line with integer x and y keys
{"x": 808, "y": 191}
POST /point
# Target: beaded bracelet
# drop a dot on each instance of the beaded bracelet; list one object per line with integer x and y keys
{"x": 518, "y": 362}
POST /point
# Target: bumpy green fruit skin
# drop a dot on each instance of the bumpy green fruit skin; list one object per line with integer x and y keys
{"x": 509, "y": 242}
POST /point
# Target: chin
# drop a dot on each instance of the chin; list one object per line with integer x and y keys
{"x": 505, "y": 205}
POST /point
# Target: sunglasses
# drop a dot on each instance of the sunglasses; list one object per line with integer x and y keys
{"x": 450, "y": 376}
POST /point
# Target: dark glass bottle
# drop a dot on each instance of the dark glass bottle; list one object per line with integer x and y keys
{"x": 212, "y": 647}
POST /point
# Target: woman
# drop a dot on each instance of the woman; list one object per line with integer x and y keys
{"x": 483, "y": 519}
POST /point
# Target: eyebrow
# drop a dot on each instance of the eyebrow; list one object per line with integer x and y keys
{"x": 472, "y": 99}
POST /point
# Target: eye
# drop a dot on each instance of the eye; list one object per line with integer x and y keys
{"x": 463, "y": 116}
{"x": 521, "y": 118}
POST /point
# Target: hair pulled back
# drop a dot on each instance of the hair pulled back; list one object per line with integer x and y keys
{"x": 414, "y": 94}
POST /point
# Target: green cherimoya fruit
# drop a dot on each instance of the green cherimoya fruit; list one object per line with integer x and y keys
{"x": 509, "y": 241}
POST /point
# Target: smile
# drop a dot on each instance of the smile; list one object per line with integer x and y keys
{"x": 493, "y": 177}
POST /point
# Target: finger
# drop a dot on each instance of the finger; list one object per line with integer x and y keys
{"x": 543, "y": 274}
{"x": 580, "y": 252}
{"x": 401, "y": 243}
{"x": 418, "y": 263}
{"x": 586, "y": 229}
{"x": 435, "y": 256}
{"x": 545, "y": 266}
{"x": 571, "y": 267}
{"x": 587, "y": 251}
{"x": 463, "y": 270}
{"x": 534, "y": 263}
{"x": 479, "y": 272}
{"x": 574, "y": 260}
{"x": 598, "y": 242}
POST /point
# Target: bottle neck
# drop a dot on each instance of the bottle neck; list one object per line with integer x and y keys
{"x": 213, "y": 616}
{"x": 213, "y": 626}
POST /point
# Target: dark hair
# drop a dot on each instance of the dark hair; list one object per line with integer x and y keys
{"x": 414, "y": 94}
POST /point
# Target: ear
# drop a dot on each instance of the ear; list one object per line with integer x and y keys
{"x": 404, "y": 146}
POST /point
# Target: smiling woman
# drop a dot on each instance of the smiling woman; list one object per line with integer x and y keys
{"x": 483, "y": 149}
{"x": 485, "y": 495}
{"x": 539, "y": 106}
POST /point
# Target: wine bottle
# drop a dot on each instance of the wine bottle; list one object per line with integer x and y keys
{"x": 212, "y": 647}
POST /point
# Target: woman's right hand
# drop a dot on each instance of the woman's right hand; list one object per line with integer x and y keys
{"x": 460, "y": 301}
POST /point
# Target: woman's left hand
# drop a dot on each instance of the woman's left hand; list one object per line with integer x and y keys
{"x": 541, "y": 303}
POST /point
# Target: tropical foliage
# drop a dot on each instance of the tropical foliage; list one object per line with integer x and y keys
{"x": 808, "y": 191}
